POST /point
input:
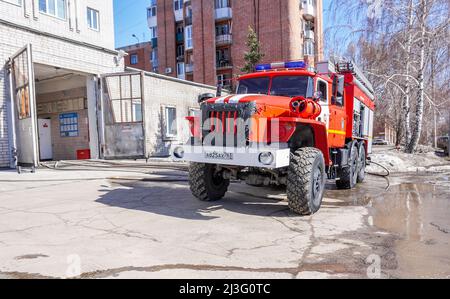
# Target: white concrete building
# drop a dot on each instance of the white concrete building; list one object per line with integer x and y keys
{"x": 64, "y": 93}
{"x": 66, "y": 44}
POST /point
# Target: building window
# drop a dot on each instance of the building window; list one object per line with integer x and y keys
{"x": 223, "y": 29}
{"x": 189, "y": 11}
{"x": 189, "y": 42}
{"x": 309, "y": 48}
{"x": 224, "y": 80}
{"x": 180, "y": 68}
{"x": 223, "y": 57}
{"x": 222, "y": 3}
{"x": 152, "y": 10}
{"x": 308, "y": 2}
{"x": 178, "y": 4}
{"x": 16, "y": 2}
{"x": 127, "y": 110}
{"x": 153, "y": 32}
{"x": 56, "y": 8}
{"x": 93, "y": 19}
{"x": 170, "y": 116}
{"x": 134, "y": 59}
{"x": 180, "y": 51}
{"x": 154, "y": 56}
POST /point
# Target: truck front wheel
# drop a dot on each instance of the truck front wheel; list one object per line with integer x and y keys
{"x": 306, "y": 181}
{"x": 206, "y": 183}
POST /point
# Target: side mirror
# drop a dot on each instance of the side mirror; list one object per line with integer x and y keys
{"x": 318, "y": 96}
{"x": 204, "y": 97}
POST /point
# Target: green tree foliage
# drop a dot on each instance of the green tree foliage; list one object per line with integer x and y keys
{"x": 254, "y": 54}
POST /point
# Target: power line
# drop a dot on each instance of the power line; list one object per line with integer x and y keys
{"x": 120, "y": 12}
{"x": 123, "y": 30}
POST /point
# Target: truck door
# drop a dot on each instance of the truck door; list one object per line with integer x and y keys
{"x": 23, "y": 108}
{"x": 338, "y": 119}
{"x": 122, "y": 116}
{"x": 322, "y": 87}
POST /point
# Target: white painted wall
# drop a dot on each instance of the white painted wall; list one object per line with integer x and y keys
{"x": 159, "y": 92}
{"x": 69, "y": 46}
{"x": 73, "y": 27}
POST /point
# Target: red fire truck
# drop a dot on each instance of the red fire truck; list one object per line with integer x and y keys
{"x": 286, "y": 125}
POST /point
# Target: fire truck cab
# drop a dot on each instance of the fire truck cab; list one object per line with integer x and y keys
{"x": 286, "y": 125}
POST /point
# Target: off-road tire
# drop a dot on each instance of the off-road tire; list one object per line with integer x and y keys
{"x": 348, "y": 176}
{"x": 304, "y": 189}
{"x": 205, "y": 184}
{"x": 361, "y": 163}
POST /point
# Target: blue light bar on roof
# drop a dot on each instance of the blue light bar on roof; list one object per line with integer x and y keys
{"x": 281, "y": 65}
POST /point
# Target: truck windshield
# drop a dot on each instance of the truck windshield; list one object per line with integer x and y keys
{"x": 254, "y": 86}
{"x": 287, "y": 86}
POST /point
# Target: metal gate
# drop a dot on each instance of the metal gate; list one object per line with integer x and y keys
{"x": 23, "y": 107}
{"x": 122, "y": 108}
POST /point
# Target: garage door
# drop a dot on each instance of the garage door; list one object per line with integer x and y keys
{"x": 123, "y": 116}
{"x": 23, "y": 107}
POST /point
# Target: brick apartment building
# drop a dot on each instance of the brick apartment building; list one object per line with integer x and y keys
{"x": 140, "y": 56}
{"x": 204, "y": 40}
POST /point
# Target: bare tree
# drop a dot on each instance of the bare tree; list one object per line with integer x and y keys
{"x": 404, "y": 47}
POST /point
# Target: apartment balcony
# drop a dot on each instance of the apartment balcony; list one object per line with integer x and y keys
{"x": 309, "y": 9}
{"x": 224, "y": 13}
{"x": 180, "y": 58}
{"x": 224, "y": 64}
{"x": 189, "y": 68}
{"x": 188, "y": 21}
{"x": 154, "y": 42}
{"x": 178, "y": 15}
{"x": 225, "y": 39}
{"x": 180, "y": 37}
{"x": 309, "y": 34}
{"x": 152, "y": 21}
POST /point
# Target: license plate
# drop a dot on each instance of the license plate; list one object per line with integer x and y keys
{"x": 219, "y": 156}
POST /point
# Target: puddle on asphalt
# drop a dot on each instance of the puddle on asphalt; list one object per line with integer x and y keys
{"x": 416, "y": 212}
{"x": 419, "y": 214}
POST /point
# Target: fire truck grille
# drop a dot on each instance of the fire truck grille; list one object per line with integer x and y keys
{"x": 227, "y": 124}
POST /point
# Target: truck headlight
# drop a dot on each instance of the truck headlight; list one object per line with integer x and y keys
{"x": 266, "y": 158}
{"x": 179, "y": 152}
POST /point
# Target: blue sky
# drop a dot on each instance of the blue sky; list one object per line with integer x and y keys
{"x": 131, "y": 18}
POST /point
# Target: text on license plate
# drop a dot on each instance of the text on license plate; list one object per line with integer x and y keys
{"x": 219, "y": 156}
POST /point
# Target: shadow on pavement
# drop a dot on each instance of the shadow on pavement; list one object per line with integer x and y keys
{"x": 175, "y": 200}
{"x": 170, "y": 196}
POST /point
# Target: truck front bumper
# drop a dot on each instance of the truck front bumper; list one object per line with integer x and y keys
{"x": 271, "y": 158}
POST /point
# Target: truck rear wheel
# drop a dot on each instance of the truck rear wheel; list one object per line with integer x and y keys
{"x": 348, "y": 176}
{"x": 206, "y": 183}
{"x": 361, "y": 163}
{"x": 306, "y": 181}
